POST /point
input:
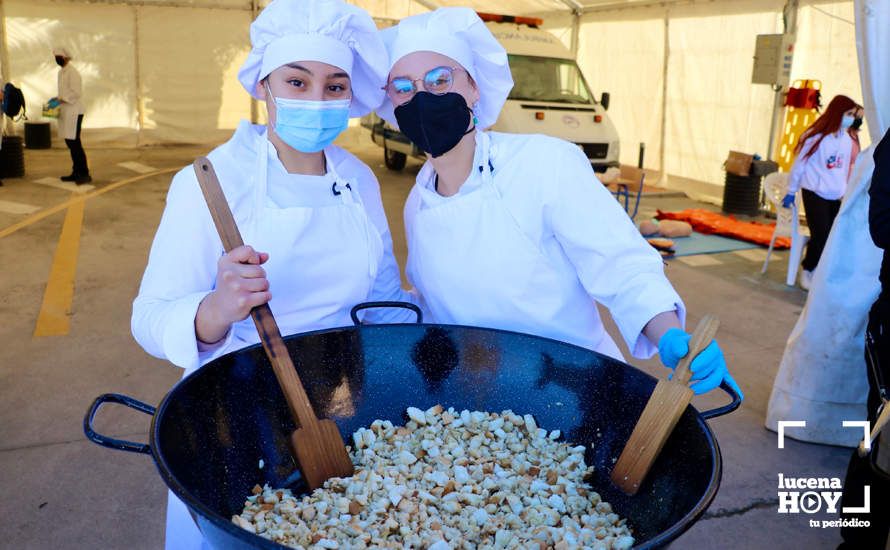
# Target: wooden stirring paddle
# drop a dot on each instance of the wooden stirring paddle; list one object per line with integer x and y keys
{"x": 316, "y": 444}
{"x": 662, "y": 412}
{"x": 880, "y": 422}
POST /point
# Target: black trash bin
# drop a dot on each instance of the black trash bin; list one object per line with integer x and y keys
{"x": 741, "y": 194}
{"x": 38, "y": 135}
{"x": 761, "y": 168}
{"x": 12, "y": 157}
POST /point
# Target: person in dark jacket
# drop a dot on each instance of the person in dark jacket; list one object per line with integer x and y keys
{"x": 859, "y": 471}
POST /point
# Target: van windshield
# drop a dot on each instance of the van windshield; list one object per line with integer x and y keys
{"x": 548, "y": 79}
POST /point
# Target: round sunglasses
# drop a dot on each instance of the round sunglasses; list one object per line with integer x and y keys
{"x": 437, "y": 81}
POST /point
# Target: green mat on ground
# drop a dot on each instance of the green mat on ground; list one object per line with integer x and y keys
{"x": 699, "y": 243}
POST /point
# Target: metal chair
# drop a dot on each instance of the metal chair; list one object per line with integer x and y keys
{"x": 630, "y": 176}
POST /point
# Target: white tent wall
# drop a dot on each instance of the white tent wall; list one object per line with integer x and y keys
{"x": 557, "y": 23}
{"x": 710, "y": 102}
{"x": 826, "y": 51}
{"x": 711, "y": 105}
{"x": 633, "y": 76}
{"x": 154, "y": 73}
{"x": 101, "y": 41}
{"x": 171, "y": 71}
{"x": 189, "y": 61}
{"x": 390, "y": 9}
{"x": 873, "y": 40}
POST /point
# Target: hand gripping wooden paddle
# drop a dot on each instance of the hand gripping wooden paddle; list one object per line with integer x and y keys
{"x": 661, "y": 414}
{"x": 316, "y": 444}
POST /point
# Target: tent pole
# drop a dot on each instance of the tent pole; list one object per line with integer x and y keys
{"x": 140, "y": 103}
{"x": 576, "y": 24}
{"x": 663, "y": 180}
{"x": 4, "y": 63}
{"x": 576, "y": 28}
{"x": 789, "y": 17}
{"x": 254, "y": 108}
{"x": 774, "y": 123}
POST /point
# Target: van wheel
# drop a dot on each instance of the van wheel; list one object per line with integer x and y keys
{"x": 393, "y": 159}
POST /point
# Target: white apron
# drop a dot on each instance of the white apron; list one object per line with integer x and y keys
{"x": 67, "y": 121}
{"x": 821, "y": 378}
{"x": 325, "y": 256}
{"x": 473, "y": 265}
{"x": 68, "y": 112}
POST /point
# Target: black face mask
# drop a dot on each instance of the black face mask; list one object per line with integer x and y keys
{"x": 435, "y": 123}
{"x": 60, "y": 61}
{"x": 857, "y": 123}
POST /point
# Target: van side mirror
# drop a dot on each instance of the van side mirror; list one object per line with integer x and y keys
{"x": 604, "y": 100}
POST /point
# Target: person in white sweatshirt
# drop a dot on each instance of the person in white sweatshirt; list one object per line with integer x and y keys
{"x": 821, "y": 170}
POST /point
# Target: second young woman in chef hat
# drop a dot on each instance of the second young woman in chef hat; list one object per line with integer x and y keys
{"x": 515, "y": 231}
{"x": 317, "y": 240}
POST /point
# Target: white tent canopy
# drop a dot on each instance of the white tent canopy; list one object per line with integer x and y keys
{"x": 679, "y": 72}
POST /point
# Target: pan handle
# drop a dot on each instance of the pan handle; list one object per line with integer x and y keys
{"x": 109, "y": 442}
{"x": 726, "y": 409}
{"x": 368, "y": 305}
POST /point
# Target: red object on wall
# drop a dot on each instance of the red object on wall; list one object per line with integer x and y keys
{"x": 803, "y": 98}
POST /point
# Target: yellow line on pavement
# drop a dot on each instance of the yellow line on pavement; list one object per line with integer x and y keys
{"x": 55, "y": 312}
{"x": 36, "y": 217}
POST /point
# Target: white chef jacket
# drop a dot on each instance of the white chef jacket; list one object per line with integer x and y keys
{"x": 70, "y": 92}
{"x": 182, "y": 264}
{"x": 557, "y": 205}
{"x": 826, "y": 171}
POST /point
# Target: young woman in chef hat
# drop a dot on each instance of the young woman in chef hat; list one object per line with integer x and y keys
{"x": 514, "y": 231}
{"x": 317, "y": 240}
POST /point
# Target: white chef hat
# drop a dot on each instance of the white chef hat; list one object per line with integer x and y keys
{"x": 459, "y": 34}
{"x": 329, "y": 31}
{"x": 58, "y": 50}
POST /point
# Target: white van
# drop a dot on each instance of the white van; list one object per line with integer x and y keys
{"x": 549, "y": 96}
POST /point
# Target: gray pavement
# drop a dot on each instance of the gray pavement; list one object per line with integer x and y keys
{"x": 64, "y": 492}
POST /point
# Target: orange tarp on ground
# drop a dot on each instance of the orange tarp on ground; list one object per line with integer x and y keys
{"x": 705, "y": 221}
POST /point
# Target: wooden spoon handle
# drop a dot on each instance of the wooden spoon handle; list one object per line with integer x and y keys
{"x": 265, "y": 323}
{"x": 701, "y": 337}
{"x": 880, "y": 422}
{"x": 218, "y": 205}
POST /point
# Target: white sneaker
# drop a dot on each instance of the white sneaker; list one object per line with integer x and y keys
{"x": 806, "y": 277}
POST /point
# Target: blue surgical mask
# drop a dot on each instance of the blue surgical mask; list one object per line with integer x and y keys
{"x": 310, "y": 126}
{"x": 847, "y": 121}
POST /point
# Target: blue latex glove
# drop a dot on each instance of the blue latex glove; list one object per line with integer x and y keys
{"x": 53, "y": 103}
{"x": 708, "y": 369}
{"x": 788, "y": 200}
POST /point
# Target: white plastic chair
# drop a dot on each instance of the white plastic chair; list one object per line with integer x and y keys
{"x": 775, "y": 186}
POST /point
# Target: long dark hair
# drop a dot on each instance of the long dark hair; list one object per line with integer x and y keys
{"x": 828, "y": 122}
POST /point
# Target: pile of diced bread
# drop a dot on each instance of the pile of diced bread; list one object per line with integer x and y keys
{"x": 447, "y": 480}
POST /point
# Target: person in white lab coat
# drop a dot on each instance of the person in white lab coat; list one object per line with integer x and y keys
{"x": 316, "y": 236}
{"x": 515, "y": 231}
{"x": 825, "y": 153}
{"x": 71, "y": 116}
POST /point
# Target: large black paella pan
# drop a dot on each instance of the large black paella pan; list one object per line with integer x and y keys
{"x": 211, "y": 430}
